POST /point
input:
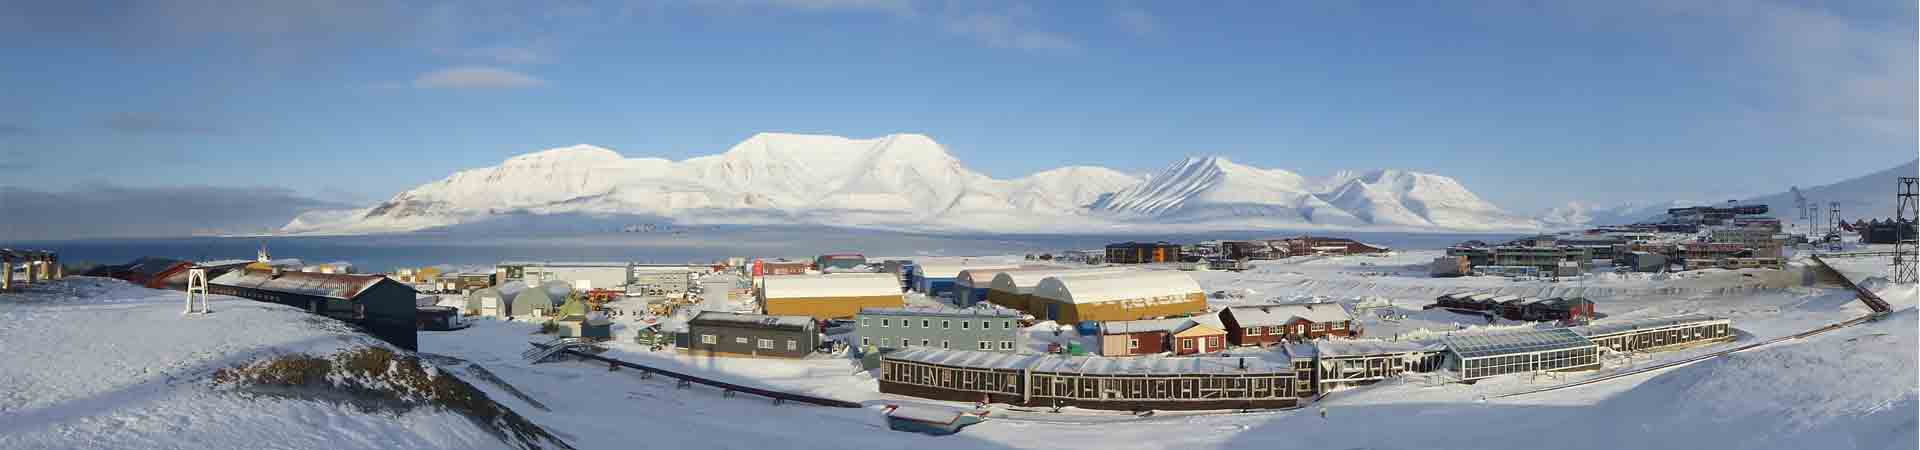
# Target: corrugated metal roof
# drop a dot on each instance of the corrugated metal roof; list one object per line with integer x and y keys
{"x": 339, "y": 286}
{"x": 1514, "y": 342}
{"x": 1610, "y": 327}
{"x": 1024, "y": 280}
{"x": 1106, "y": 287}
{"x": 831, "y": 285}
{"x": 1144, "y": 326}
{"x": 1280, "y": 314}
{"x": 753, "y": 320}
{"x": 1356, "y": 347}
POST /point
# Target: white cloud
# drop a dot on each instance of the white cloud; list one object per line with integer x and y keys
{"x": 475, "y": 77}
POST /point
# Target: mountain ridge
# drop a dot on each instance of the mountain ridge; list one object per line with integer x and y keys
{"x": 910, "y": 182}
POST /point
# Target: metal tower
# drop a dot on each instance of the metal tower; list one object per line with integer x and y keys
{"x": 1833, "y": 217}
{"x": 1906, "y": 214}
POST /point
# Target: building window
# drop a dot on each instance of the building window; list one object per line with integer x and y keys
{"x": 1006, "y": 325}
{"x": 885, "y": 342}
{"x": 1186, "y": 344}
{"x": 924, "y": 323}
{"x": 709, "y": 339}
{"x": 740, "y": 340}
{"x": 943, "y": 344}
{"x": 963, "y": 324}
{"x": 885, "y": 323}
{"x": 984, "y": 345}
{"x": 1253, "y": 331}
{"x": 1133, "y": 343}
{"x": 863, "y": 321}
{"x": 924, "y": 342}
{"x": 792, "y": 345}
{"x": 1006, "y": 345}
{"x": 946, "y": 324}
{"x": 766, "y": 344}
{"x": 866, "y": 341}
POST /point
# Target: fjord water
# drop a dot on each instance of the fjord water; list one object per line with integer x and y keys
{"x": 378, "y": 253}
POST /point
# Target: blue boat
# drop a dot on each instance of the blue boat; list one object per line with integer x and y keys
{"x": 930, "y": 421}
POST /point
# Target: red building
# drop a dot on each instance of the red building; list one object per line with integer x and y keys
{"x": 1268, "y": 324}
{"x": 1181, "y": 336}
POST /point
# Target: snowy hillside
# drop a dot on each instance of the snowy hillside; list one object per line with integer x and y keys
{"x": 1866, "y": 197}
{"x": 910, "y": 182}
{"x": 100, "y": 363}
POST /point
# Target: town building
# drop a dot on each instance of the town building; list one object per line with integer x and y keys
{"x": 1316, "y": 245}
{"x": 1449, "y": 267}
{"x": 382, "y": 306}
{"x": 580, "y": 275}
{"x": 1477, "y": 356}
{"x": 1013, "y": 288}
{"x": 840, "y": 262}
{"x": 938, "y": 279}
{"x": 1092, "y": 382}
{"x": 1202, "y": 334}
{"x": 1642, "y": 261}
{"x": 735, "y": 334}
{"x": 971, "y": 286}
{"x": 662, "y": 280}
{"x": 1700, "y": 255}
{"x": 1270, "y": 324}
{"x": 1762, "y": 243}
{"x": 1245, "y": 250}
{"x": 1547, "y": 260}
{"x": 780, "y": 267}
{"x": 1657, "y": 333}
{"x": 828, "y": 296}
{"x": 438, "y": 318}
{"x": 1139, "y": 337}
{"x": 970, "y": 329}
{"x": 1476, "y": 256}
{"x": 1354, "y": 362}
{"x": 1129, "y": 295}
{"x": 1558, "y": 309}
{"x": 1143, "y": 253}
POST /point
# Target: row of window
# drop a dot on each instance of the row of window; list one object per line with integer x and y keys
{"x": 904, "y": 342}
{"x": 945, "y": 324}
{"x": 1089, "y": 387}
{"x": 1652, "y": 339}
{"x": 763, "y": 344}
{"x": 1300, "y": 329}
{"x": 1555, "y": 360}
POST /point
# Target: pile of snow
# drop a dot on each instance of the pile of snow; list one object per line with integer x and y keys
{"x": 908, "y": 181}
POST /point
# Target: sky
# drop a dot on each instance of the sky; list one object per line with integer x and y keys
{"x": 1529, "y": 104}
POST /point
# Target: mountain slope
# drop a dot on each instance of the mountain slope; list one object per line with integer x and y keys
{"x": 909, "y": 181}
{"x": 1864, "y": 197}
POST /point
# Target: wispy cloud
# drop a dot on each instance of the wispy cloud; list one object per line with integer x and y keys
{"x": 1006, "y": 29}
{"x": 475, "y": 77}
{"x": 155, "y": 123}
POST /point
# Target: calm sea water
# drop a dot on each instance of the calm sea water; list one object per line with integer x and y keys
{"x": 386, "y": 252}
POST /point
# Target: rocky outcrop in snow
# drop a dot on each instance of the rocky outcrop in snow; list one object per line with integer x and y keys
{"x": 908, "y": 181}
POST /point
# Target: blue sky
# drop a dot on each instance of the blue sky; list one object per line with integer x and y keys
{"x": 1530, "y": 104}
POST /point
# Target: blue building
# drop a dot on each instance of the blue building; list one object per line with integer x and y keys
{"x": 939, "y": 279}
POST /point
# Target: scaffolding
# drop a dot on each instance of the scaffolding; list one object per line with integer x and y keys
{"x": 1906, "y": 214}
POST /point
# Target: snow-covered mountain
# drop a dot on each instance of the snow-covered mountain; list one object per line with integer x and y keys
{"x": 1864, "y": 197}
{"x": 910, "y": 182}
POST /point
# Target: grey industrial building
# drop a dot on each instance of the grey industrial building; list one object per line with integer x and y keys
{"x": 965, "y": 329}
{"x": 727, "y": 333}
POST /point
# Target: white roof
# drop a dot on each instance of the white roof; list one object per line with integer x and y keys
{"x": 1366, "y": 347}
{"x": 832, "y": 285}
{"x": 1142, "y": 326}
{"x": 1275, "y": 315}
{"x": 1107, "y": 287}
{"x": 952, "y": 270}
{"x": 1025, "y": 279}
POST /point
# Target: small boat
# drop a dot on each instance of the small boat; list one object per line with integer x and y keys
{"x": 930, "y": 421}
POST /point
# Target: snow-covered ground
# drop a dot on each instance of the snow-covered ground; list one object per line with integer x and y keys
{"x": 97, "y": 363}
{"x": 1852, "y": 388}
